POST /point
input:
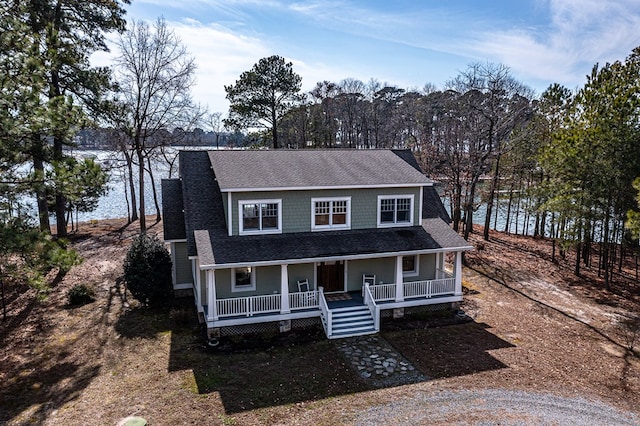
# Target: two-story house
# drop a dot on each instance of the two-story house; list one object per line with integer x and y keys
{"x": 279, "y": 239}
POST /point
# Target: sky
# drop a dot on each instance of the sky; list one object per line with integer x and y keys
{"x": 404, "y": 43}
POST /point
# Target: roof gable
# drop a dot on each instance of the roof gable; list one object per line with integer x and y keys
{"x": 252, "y": 170}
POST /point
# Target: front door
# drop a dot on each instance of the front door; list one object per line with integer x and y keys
{"x": 331, "y": 276}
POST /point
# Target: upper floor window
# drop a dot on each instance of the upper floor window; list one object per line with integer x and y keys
{"x": 395, "y": 210}
{"x": 331, "y": 213}
{"x": 260, "y": 217}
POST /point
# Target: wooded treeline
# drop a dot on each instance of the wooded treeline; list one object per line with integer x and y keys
{"x": 564, "y": 161}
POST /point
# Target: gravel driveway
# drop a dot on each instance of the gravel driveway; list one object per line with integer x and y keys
{"x": 494, "y": 407}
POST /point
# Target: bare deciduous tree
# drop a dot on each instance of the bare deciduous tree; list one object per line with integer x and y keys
{"x": 155, "y": 74}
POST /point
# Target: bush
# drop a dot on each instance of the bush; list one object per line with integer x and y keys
{"x": 147, "y": 271}
{"x": 80, "y": 294}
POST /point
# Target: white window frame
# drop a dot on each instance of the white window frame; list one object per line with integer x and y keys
{"x": 416, "y": 264}
{"x": 242, "y": 231}
{"x": 236, "y": 288}
{"x": 330, "y": 226}
{"x": 395, "y": 222}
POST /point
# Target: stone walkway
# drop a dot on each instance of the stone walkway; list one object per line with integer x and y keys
{"x": 377, "y": 362}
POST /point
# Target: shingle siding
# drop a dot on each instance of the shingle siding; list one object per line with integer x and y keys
{"x": 297, "y": 208}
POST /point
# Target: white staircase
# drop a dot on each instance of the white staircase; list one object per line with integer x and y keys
{"x": 351, "y": 321}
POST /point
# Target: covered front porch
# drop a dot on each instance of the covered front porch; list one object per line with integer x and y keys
{"x": 365, "y": 282}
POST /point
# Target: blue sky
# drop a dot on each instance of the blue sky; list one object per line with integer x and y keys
{"x": 405, "y": 43}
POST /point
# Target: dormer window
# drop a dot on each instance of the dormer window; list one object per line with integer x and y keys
{"x": 330, "y": 213}
{"x": 395, "y": 210}
{"x": 260, "y": 216}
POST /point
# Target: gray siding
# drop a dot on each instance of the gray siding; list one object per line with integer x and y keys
{"x": 182, "y": 264}
{"x": 301, "y": 272}
{"x": 383, "y": 268}
{"x": 296, "y": 206}
{"x": 427, "y": 268}
{"x": 267, "y": 282}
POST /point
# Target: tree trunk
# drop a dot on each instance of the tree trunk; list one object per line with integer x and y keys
{"x": 143, "y": 219}
{"x": 457, "y": 201}
{"x": 508, "y": 217}
{"x": 274, "y": 129}
{"x": 469, "y": 209}
{"x": 4, "y": 301}
{"x": 41, "y": 193}
{"x": 132, "y": 189}
{"x": 492, "y": 194}
{"x": 153, "y": 188}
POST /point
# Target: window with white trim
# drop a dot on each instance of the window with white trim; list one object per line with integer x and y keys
{"x": 395, "y": 210}
{"x": 410, "y": 265}
{"x": 260, "y": 216}
{"x": 243, "y": 279}
{"x": 330, "y": 213}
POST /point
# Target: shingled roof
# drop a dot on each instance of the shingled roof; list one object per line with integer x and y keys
{"x": 205, "y": 220}
{"x": 172, "y": 210}
{"x": 272, "y": 170}
{"x": 434, "y": 234}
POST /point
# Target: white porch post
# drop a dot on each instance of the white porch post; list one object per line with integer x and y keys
{"x": 174, "y": 274}
{"x": 212, "y": 312}
{"x": 196, "y": 281}
{"x": 284, "y": 289}
{"x": 438, "y": 266}
{"x": 399, "y": 280}
{"x": 458, "y": 274}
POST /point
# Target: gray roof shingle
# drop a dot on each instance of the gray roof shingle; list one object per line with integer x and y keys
{"x": 172, "y": 210}
{"x": 432, "y": 235}
{"x": 254, "y": 169}
{"x": 207, "y": 237}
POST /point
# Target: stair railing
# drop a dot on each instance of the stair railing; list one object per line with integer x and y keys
{"x": 374, "y": 309}
{"x": 325, "y": 312}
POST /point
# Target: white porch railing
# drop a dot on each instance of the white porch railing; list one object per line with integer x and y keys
{"x": 429, "y": 288}
{"x": 303, "y": 300}
{"x": 248, "y": 306}
{"x": 265, "y": 304}
{"x": 383, "y": 292}
{"x": 325, "y": 313}
{"x": 373, "y": 308}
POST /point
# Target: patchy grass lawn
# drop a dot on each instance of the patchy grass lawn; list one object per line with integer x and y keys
{"x": 101, "y": 362}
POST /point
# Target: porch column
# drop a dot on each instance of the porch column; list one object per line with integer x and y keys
{"x": 174, "y": 274}
{"x": 196, "y": 281}
{"x": 438, "y": 266}
{"x": 399, "y": 280}
{"x": 284, "y": 289}
{"x": 212, "y": 314}
{"x": 457, "y": 273}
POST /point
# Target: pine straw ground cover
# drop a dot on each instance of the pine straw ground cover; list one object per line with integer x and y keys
{"x": 535, "y": 328}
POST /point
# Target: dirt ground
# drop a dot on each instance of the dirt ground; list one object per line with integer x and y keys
{"x": 535, "y": 328}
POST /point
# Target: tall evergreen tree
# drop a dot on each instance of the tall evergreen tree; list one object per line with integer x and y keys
{"x": 263, "y": 95}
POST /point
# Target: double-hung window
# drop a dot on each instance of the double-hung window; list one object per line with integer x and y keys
{"x": 330, "y": 213}
{"x": 395, "y": 210}
{"x": 260, "y": 217}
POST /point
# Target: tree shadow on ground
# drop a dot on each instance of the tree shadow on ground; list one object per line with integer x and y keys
{"x": 47, "y": 381}
{"x": 275, "y": 369}
{"x": 449, "y": 351}
{"x": 265, "y": 370}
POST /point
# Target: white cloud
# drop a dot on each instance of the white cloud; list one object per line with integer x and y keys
{"x": 221, "y": 55}
{"x": 580, "y": 34}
